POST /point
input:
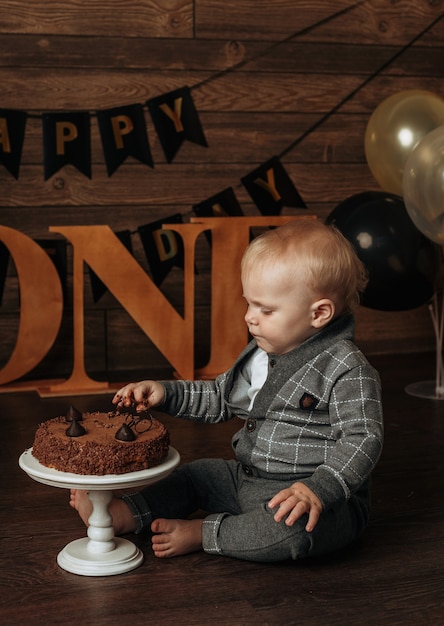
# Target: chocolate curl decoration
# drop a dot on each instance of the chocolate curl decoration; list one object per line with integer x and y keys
{"x": 126, "y": 432}
{"x": 136, "y": 421}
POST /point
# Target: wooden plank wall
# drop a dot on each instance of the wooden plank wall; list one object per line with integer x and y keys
{"x": 291, "y": 63}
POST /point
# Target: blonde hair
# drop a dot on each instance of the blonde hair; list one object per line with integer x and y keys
{"x": 332, "y": 268}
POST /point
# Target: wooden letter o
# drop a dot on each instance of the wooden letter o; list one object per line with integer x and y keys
{"x": 41, "y": 304}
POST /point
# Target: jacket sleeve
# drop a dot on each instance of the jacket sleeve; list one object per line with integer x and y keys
{"x": 200, "y": 400}
{"x": 357, "y": 421}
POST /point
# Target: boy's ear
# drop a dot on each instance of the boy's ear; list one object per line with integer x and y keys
{"x": 323, "y": 311}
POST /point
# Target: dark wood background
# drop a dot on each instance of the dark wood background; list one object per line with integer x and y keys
{"x": 76, "y": 56}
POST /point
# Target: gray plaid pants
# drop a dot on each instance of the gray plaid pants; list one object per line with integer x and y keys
{"x": 239, "y": 523}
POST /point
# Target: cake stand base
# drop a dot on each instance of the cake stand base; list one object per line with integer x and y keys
{"x": 425, "y": 389}
{"x": 100, "y": 553}
{"x": 77, "y": 558}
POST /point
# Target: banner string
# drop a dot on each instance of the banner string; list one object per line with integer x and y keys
{"x": 304, "y": 31}
{"x": 344, "y": 100}
{"x": 286, "y": 40}
{"x": 359, "y": 87}
{"x": 264, "y": 53}
{"x": 277, "y": 44}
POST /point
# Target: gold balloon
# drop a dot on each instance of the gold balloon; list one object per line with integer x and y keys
{"x": 423, "y": 185}
{"x": 395, "y": 127}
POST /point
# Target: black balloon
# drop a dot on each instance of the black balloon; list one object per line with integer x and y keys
{"x": 402, "y": 263}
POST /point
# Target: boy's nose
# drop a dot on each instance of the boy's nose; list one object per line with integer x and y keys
{"x": 249, "y": 318}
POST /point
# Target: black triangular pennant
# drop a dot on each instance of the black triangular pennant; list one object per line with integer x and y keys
{"x": 123, "y": 132}
{"x": 12, "y": 133}
{"x": 66, "y": 140}
{"x": 271, "y": 188}
{"x": 175, "y": 118}
{"x": 98, "y": 288}
{"x": 163, "y": 248}
{"x": 222, "y": 204}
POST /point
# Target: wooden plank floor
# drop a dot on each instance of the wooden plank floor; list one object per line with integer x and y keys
{"x": 393, "y": 576}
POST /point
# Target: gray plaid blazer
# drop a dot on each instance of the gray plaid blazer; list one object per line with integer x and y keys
{"x": 317, "y": 419}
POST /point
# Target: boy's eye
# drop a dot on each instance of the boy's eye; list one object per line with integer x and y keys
{"x": 267, "y": 311}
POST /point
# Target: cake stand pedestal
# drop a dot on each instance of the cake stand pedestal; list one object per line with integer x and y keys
{"x": 100, "y": 553}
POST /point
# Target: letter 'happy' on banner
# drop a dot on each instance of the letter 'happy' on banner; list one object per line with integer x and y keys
{"x": 271, "y": 188}
{"x": 66, "y": 141}
{"x": 12, "y": 133}
{"x": 175, "y": 119}
{"x": 124, "y": 133}
{"x": 163, "y": 248}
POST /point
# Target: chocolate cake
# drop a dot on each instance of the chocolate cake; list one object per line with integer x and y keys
{"x": 101, "y": 443}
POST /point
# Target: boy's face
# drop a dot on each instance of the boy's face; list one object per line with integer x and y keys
{"x": 279, "y": 315}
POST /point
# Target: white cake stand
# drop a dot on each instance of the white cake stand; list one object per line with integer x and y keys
{"x": 100, "y": 553}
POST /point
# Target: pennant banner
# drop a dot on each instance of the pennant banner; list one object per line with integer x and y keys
{"x": 163, "y": 248}
{"x": 66, "y": 140}
{"x": 271, "y": 188}
{"x": 12, "y": 133}
{"x": 222, "y": 204}
{"x": 124, "y": 133}
{"x": 175, "y": 118}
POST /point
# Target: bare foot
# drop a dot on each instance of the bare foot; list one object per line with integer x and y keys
{"x": 123, "y": 520}
{"x": 173, "y": 537}
{"x": 79, "y": 500}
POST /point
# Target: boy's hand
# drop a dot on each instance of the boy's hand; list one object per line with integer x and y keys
{"x": 142, "y": 396}
{"x": 294, "y": 502}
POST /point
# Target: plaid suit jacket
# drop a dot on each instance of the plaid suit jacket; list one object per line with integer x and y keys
{"x": 317, "y": 419}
